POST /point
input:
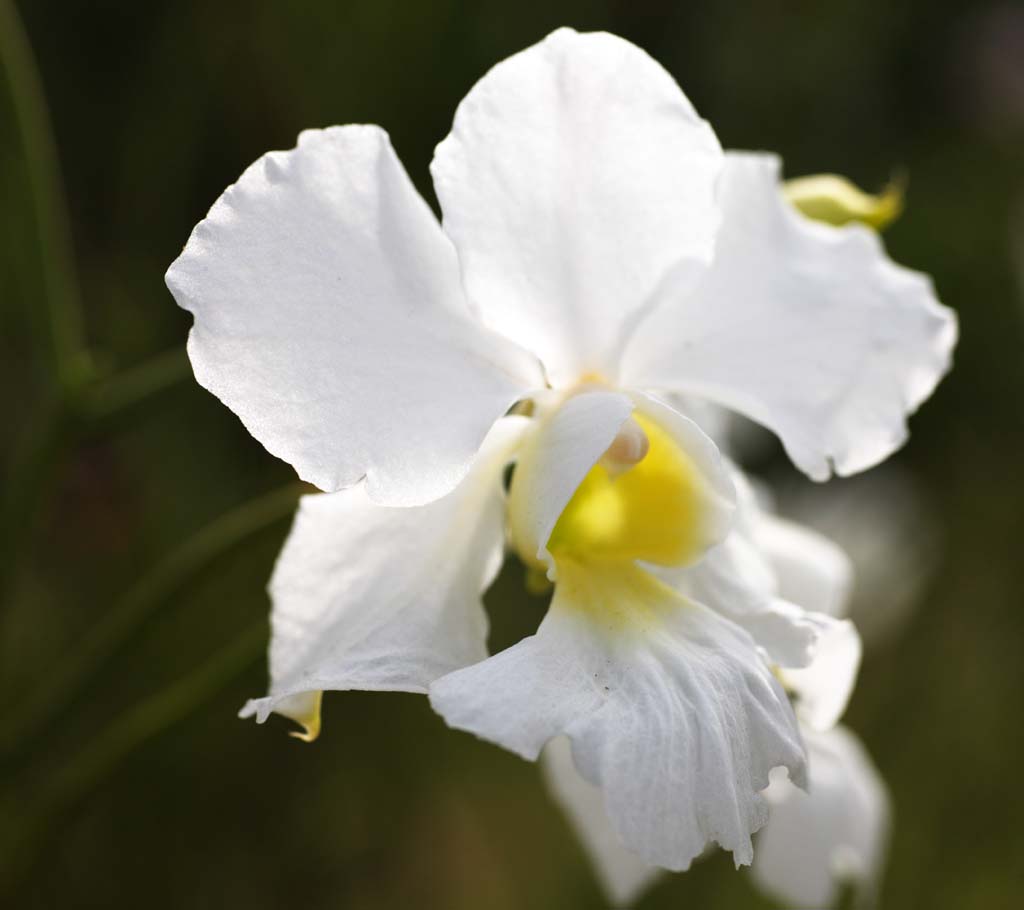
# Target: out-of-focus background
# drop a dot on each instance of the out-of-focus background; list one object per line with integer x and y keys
{"x": 141, "y": 521}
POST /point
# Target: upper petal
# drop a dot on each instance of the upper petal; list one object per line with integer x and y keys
{"x": 807, "y": 328}
{"x": 329, "y": 316}
{"x": 671, "y": 710}
{"x": 576, "y": 176}
{"x": 834, "y": 833}
{"x": 373, "y": 597}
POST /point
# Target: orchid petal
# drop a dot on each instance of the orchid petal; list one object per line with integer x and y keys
{"x": 379, "y": 598}
{"x": 570, "y": 440}
{"x": 810, "y": 569}
{"x": 823, "y": 688}
{"x": 738, "y": 578}
{"x": 671, "y": 711}
{"x": 893, "y": 539}
{"x": 575, "y": 178}
{"x": 554, "y": 460}
{"x": 622, "y": 874}
{"x": 329, "y": 316}
{"x": 804, "y": 327}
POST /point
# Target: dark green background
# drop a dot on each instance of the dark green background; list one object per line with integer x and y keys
{"x": 157, "y": 107}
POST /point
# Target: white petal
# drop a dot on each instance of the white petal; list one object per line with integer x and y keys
{"x": 807, "y": 328}
{"x": 372, "y": 597}
{"x": 329, "y": 316}
{"x": 738, "y": 579}
{"x": 554, "y": 460}
{"x": 576, "y": 177}
{"x": 810, "y": 569}
{"x": 671, "y": 711}
{"x": 894, "y": 541}
{"x": 835, "y": 833}
{"x": 623, "y": 875}
{"x": 301, "y": 707}
{"x": 735, "y": 576}
{"x": 570, "y": 440}
{"x": 823, "y": 688}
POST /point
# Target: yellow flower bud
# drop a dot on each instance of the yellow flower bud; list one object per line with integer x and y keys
{"x": 835, "y": 200}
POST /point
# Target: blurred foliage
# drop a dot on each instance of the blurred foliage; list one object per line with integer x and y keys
{"x": 156, "y": 108}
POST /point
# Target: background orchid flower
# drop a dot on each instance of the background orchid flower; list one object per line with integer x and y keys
{"x": 834, "y": 835}
{"x": 597, "y": 248}
{"x": 890, "y": 531}
{"x": 817, "y": 842}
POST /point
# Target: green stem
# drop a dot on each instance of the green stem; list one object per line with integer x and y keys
{"x": 46, "y": 443}
{"x": 63, "y": 329}
{"x": 40, "y": 451}
{"x": 118, "y": 397}
{"x": 66, "y": 683}
{"x": 75, "y": 403}
{"x": 78, "y": 777}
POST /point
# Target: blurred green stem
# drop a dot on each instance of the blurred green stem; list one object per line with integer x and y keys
{"x": 56, "y": 426}
{"x": 63, "y": 315}
{"x": 66, "y": 684}
{"x": 39, "y": 452}
{"x": 74, "y": 403}
{"x": 117, "y": 398}
{"x": 80, "y": 776}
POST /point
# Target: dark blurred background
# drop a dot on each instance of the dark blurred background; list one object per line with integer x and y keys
{"x": 134, "y": 616}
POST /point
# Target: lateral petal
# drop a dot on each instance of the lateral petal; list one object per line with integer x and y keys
{"x": 379, "y": 598}
{"x": 804, "y": 327}
{"x": 329, "y": 316}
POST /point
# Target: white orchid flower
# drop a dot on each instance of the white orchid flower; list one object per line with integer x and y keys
{"x": 597, "y": 245}
{"x": 831, "y": 837}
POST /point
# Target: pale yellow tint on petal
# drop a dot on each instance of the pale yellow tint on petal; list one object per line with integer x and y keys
{"x": 304, "y": 709}
{"x": 618, "y": 596}
{"x": 650, "y": 512}
{"x": 835, "y": 200}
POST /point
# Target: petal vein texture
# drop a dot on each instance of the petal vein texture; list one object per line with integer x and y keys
{"x": 670, "y": 709}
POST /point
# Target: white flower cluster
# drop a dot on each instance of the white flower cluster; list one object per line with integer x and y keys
{"x": 605, "y": 285}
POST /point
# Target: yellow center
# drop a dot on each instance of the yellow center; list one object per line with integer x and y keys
{"x": 648, "y": 511}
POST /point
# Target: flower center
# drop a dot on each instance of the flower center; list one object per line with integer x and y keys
{"x": 642, "y": 500}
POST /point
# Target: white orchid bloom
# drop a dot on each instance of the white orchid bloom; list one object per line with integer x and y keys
{"x": 596, "y": 245}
